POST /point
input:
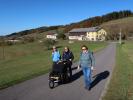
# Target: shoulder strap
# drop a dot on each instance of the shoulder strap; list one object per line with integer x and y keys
{"x": 80, "y": 54}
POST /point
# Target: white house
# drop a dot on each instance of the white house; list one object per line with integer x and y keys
{"x": 90, "y": 34}
{"x": 14, "y": 41}
{"x": 75, "y": 36}
{"x": 51, "y": 36}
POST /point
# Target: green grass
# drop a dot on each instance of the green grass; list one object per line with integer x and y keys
{"x": 121, "y": 86}
{"x": 25, "y": 61}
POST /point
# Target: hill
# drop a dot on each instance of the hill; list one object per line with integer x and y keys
{"x": 114, "y": 27}
{"x": 90, "y": 22}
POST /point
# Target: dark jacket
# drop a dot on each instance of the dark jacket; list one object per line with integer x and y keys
{"x": 67, "y": 55}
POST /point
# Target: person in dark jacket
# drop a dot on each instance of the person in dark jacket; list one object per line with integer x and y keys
{"x": 68, "y": 56}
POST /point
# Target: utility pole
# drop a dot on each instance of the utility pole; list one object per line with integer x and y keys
{"x": 120, "y": 36}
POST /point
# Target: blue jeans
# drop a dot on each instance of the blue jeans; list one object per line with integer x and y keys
{"x": 87, "y": 76}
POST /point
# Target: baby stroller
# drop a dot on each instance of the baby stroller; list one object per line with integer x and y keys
{"x": 59, "y": 74}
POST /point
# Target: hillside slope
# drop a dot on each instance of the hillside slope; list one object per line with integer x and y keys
{"x": 123, "y": 21}
{"x": 125, "y": 25}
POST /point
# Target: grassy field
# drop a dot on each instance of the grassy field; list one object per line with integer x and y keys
{"x": 121, "y": 86}
{"x": 25, "y": 61}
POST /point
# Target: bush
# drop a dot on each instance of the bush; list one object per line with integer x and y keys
{"x": 1, "y": 43}
{"x": 6, "y": 43}
{"x": 49, "y": 42}
{"x": 61, "y": 36}
{"x": 29, "y": 39}
{"x": 9, "y": 43}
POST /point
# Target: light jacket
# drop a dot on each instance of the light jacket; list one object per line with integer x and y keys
{"x": 87, "y": 59}
{"x": 56, "y": 56}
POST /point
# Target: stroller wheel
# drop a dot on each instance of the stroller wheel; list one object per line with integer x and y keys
{"x": 51, "y": 84}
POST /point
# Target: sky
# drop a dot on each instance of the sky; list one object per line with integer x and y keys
{"x": 18, "y": 15}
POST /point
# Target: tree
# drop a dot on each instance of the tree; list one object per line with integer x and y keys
{"x": 61, "y": 36}
{"x": 49, "y": 42}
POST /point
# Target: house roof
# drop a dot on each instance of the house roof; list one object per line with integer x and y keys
{"x": 77, "y": 34}
{"x": 91, "y": 29}
{"x": 51, "y": 33}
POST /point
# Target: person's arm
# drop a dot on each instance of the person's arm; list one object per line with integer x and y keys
{"x": 63, "y": 57}
{"x": 59, "y": 56}
{"x": 71, "y": 56}
{"x": 52, "y": 55}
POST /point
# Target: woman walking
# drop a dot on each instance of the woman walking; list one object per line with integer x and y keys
{"x": 68, "y": 56}
{"x": 55, "y": 56}
{"x": 86, "y": 63}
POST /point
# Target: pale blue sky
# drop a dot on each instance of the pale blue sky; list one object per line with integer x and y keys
{"x": 18, "y": 15}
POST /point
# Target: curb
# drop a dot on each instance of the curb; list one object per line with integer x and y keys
{"x": 105, "y": 88}
{"x": 107, "y": 83}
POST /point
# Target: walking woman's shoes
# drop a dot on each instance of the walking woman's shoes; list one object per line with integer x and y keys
{"x": 87, "y": 88}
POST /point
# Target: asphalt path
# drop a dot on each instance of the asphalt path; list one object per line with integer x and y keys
{"x": 38, "y": 88}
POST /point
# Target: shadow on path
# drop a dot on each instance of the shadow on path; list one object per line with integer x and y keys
{"x": 74, "y": 68}
{"x": 99, "y": 77}
{"x": 73, "y": 78}
{"x": 76, "y": 75}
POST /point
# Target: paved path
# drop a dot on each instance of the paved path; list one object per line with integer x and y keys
{"x": 38, "y": 89}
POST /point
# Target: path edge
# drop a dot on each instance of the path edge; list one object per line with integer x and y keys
{"x": 106, "y": 87}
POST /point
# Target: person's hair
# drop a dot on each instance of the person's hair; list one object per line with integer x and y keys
{"x": 67, "y": 48}
{"x": 55, "y": 48}
{"x": 84, "y": 46}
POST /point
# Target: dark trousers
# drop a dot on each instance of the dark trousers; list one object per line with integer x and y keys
{"x": 69, "y": 64}
{"x": 54, "y": 63}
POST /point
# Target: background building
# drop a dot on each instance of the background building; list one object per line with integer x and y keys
{"x": 51, "y": 35}
{"x": 90, "y": 34}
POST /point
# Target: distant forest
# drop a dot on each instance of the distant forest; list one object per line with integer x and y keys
{"x": 93, "y": 21}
